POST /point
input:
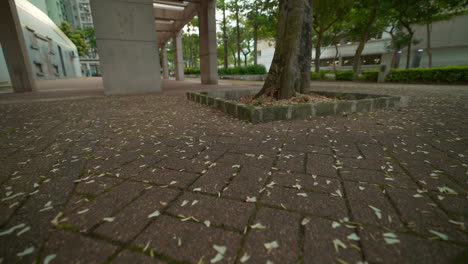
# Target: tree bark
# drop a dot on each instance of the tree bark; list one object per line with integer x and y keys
{"x": 336, "y": 56}
{"x": 362, "y": 42}
{"x": 410, "y": 42}
{"x": 290, "y": 69}
{"x": 318, "y": 52}
{"x": 238, "y": 35}
{"x": 255, "y": 39}
{"x": 428, "y": 48}
{"x": 225, "y": 47}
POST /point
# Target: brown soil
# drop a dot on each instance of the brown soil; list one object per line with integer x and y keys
{"x": 299, "y": 99}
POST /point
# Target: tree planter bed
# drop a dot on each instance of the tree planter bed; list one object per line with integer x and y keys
{"x": 224, "y": 100}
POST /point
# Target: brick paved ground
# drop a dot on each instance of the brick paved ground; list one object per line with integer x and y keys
{"x": 158, "y": 179}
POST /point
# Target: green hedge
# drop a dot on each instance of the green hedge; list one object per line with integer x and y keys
{"x": 191, "y": 70}
{"x": 243, "y": 70}
{"x": 314, "y": 75}
{"x": 440, "y": 74}
{"x": 344, "y": 75}
{"x": 370, "y": 75}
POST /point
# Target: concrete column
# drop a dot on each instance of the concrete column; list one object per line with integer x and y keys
{"x": 178, "y": 56}
{"x": 208, "y": 51}
{"x": 14, "y": 49}
{"x": 127, "y": 45}
{"x": 164, "y": 62}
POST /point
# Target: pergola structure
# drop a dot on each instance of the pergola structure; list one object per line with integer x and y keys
{"x": 128, "y": 34}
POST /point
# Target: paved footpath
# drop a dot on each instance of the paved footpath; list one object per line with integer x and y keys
{"x": 158, "y": 179}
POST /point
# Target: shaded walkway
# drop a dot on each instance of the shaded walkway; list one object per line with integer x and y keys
{"x": 157, "y": 179}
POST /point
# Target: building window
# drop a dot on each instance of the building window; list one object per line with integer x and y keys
{"x": 84, "y": 7}
{"x": 371, "y": 59}
{"x": 85, "y": 16}
{"x": 259, "y": 53}
{"x": 347, "y": 61}
{"x": 328, "y": 62}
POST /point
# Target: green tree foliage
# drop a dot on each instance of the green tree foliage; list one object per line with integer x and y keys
{"x": 77, "y": 37}
{"x": 244, "y": 22}
{"x": 190, "y": 44}
{"x": 326, "y": 14}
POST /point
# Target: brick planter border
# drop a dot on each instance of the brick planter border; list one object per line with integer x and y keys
{"x": 352, "y": 103}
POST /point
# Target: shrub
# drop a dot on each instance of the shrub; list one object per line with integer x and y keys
{"x": 314, "y": 75}
{"x": 191, "y": 70}
{"x": 446, "y": 74}
{"x": 324, "y": 72}
{"x": 243, "y": 70}
{"x": 370, "y": 75}
{"x": 344, "y": 75}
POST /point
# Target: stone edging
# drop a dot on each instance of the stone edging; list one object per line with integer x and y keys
{"x": 255, "y": 114}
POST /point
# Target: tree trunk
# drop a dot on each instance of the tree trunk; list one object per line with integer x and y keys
{"x": 336, "y": 56}
{"x": 225, "y": 47}
{"x": 428, "y": 48}
{"x": 318, "y": 52}
{"x": 362, "y": 42}
{"x": 408, "y": 55}
{"x": 190, "y": 62}
{"x": 290, "y": 69}
{"x": 255, "y": 39}
{"x": 238, "y": 35}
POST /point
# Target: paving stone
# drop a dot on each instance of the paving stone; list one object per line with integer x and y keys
{"x": 248, "y": 159}
{"x": 378, "y": 177}
{"x": 369, "y": 205}
{"x": 313, "y": 203}
{"x": 280, "y": 227}
{"x": 88, "y": 215}
{"x": 96, "y": 185}
{"x": 222, "y": 212}
{"x": 320, "y": 238}
{"x": 410, "y": 249}
{"x": 291, "y": 161}
{"x": 133, "y": 218}
{"x": 216, "y": 178}
{"x": 182, "y": 165}
{"x": 422, "y": 215}
{"x": 172, "y": 237}
{"x": 75, "y": 248}
{"x": 248, "y": 182}
{"x": 128, "y": 256}
{"x": 168, "y": 177}
{"x": 306, "y": 181}
{"x": 416, "y": 154}
{"x": 321, "y": 165}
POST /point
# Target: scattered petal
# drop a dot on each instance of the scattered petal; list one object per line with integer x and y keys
{"x": 26, "y": 252}
{"x": 49, "y": 258}
{"x": 337, "y": 244}
{"x": 245, "y": 258}
{"x": 154, "y": 214}
{"x": 258, "y": 226}
{"x": 439, "y": 234}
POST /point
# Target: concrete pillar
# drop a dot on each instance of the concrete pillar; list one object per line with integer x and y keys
{"x": 208, "y": 51}
{"x": 14, "y": 49}
{"x": 164, "y": 62}
{"x": 127, "y": 45}
{"x": 178, "y": 56}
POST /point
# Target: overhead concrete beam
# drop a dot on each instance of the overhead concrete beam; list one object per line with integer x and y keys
{"x": 127, "y": 45}
{"x": 181, "y": 18}
{"x": 14, "y": 49}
